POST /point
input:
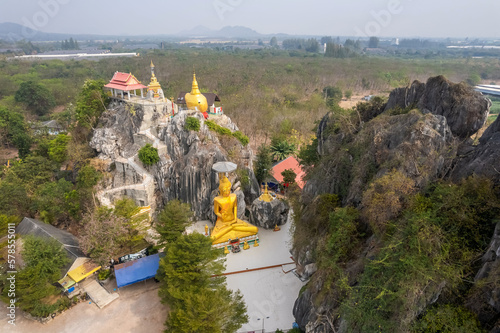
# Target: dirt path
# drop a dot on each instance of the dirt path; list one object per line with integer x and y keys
{"x": 138, "y": 309}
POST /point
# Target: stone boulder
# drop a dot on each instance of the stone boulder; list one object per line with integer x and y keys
{"x": 266, "y": 215}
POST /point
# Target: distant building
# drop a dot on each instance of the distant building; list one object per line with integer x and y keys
{"x": 51, "y": 126}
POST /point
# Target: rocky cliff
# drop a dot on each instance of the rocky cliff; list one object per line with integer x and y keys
{"x": 184, "y": 171}
{"x": 421, "y": 133}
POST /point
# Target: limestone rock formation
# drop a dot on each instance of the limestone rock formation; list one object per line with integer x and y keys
{"x": 267, "y": 215}
{"x": 419, "y": 133}
{"x": 465, "y": 109}
{"x": 186, "y": 157}
{"x": 483, "y": 159}
{"x": 484, "y": 300}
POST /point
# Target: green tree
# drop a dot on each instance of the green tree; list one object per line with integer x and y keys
{"x": 172, "y": 221}
{"x": 308, "y": 154}
{"x": 149, "y": 155}
{"x": 273, "y": 42}
{"x": 195, "y": 290}
{"x": 55, "y": 201}
{"x": 373, "y": 42}
{"x": 348, "y": 94}
{"x": 14, "y": 130}
{"x": 103, "y": 234}
{"x": 137, "y": 224}
{"x": 282, "y": 149}
{"x": 34, "y": 171}
{"x": 333, "y": 95}
{"x": 264, "y": 163}
{"x": 45, "y": 253}
{"x": 44, "y": 259}
{"x": 14, "y": 199}
{"x": 58, "y": 148}
{"x": 289, "y": 176}
{"x": 37, "y": 98}
{"x": 91, "y": 103}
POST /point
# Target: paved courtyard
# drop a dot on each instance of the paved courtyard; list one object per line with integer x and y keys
{"x": 268, "y": 292}
{"x": 138, "y": 309}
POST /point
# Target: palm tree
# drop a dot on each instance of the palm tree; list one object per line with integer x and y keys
{"x": 282, "y": 149}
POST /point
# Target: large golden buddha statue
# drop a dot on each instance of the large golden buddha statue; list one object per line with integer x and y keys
{"x": 228, "y": 226}
{"x": 195, "y": 100}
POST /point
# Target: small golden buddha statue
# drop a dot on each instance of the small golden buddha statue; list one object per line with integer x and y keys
{"x": 246, "y": 246}
{"x": 228, "y": 226}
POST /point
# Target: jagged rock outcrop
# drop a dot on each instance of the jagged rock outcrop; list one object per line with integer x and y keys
{"x": 186, "y": 173}
{"x": 484, "y": 300}
{"x": 267, "y": 215}
{"x": 420, "y": 132}
{"x": 186, "y": 157}
{"x": 482, "y": 159}
{"x": 419, "y": 145}
{"x": 465, "y": 109}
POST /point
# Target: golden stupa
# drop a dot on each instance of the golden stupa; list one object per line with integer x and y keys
{"x": 154, "y": 85}
{"x": 195, "y": 99}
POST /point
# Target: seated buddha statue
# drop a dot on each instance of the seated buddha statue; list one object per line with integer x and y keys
{"x": 228, "y": 226}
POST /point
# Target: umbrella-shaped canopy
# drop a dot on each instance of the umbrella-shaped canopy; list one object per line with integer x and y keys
{"x": 224, "y": 167}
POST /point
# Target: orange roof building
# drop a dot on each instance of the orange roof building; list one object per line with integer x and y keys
{"x": 289, "y": 163}
{"x": 123, "y": 83}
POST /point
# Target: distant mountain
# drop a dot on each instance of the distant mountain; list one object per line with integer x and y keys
{"x": 226, "y": 32}
{"x": 13, "y": 32}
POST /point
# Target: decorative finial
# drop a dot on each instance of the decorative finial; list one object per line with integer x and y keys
{"x": 152, "y": 65}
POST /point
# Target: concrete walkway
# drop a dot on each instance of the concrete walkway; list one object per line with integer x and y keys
{"x": 97, "y": 293}
{"x": 146, "y": 176}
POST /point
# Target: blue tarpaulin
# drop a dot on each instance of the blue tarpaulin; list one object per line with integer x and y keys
{"x": 137, "y": 270}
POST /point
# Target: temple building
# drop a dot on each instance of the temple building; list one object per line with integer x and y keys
{"x": 154, "y": 87}
{"x": 123, "y": 83}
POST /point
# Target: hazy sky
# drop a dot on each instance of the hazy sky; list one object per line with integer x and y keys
{"x": 404, "y": 18}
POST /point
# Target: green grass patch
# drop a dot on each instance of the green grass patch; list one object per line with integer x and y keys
{"x": 242, "y": 138}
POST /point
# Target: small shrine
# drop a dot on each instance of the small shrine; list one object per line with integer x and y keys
{"x": 195, "y": 100}
{"x": 123, "y": 83}
{"x": 154, "y": 87}
{"x": 266, "y": 196}
{"x": 229, "y": 230}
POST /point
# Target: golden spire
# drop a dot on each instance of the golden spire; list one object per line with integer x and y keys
{"x": 152, "y": 65}
{"x": 195, "y": 90}
{"x": 266, "y": 196}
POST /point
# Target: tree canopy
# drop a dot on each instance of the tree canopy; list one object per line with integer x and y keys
{"x": 172, "y": 221}
{"x": 37, "y": 98}
{"x": 149, "y": 155}
{"x": 195, "y": 290}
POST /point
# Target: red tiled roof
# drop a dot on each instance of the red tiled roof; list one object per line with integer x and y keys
{"x": 125, "y": 82}
{"x": 289, "y": 163}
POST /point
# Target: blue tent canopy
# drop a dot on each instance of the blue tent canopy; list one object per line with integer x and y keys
{"x": 137, "y": 270}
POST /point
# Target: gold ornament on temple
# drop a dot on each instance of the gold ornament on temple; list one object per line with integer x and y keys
{"x": 266, "y": 196}
{"x": 154, "y": 85}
